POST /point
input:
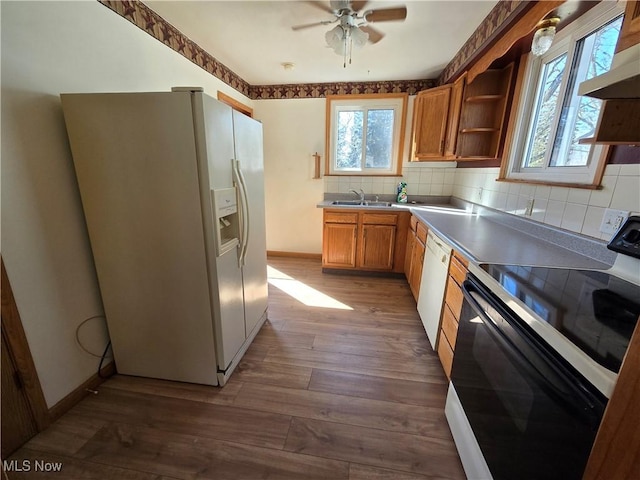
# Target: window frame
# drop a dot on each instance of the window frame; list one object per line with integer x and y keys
{"x": 397, "y": 101}
{"x": 589, "y": 176}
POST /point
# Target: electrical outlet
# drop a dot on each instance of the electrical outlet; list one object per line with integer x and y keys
{"x": 612, "y": 220}
{"x": 529, "y": 208}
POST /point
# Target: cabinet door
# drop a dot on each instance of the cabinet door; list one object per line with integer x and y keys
{"x": 455, "y": 107}
{"x": 430, "y": 123}
{"x": 377, "y": 243}
{"x": 411, "y": 238}
{"x": 415, "y": 274}
{"x": 630, "y": 31}
{"x": 339, "y": 245}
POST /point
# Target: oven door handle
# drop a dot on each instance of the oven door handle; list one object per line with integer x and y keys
{"x": 548, "y": 372}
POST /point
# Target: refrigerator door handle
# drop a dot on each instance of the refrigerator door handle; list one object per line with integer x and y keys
{"x": 244, "y": 200}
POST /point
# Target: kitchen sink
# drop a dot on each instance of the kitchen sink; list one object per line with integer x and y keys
{"x": 366, "y": 203}
{"x": 346, "y": 202}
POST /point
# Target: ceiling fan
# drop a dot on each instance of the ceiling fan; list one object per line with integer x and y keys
{"x": 353, "y": 29}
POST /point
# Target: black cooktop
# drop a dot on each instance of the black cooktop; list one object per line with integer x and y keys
{"x": 595, "y": 310}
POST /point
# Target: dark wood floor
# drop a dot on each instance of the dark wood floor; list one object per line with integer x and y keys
{"x": 353, "y": 393}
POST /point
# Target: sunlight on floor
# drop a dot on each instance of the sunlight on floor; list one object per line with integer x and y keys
{"x": 301, "y": 292}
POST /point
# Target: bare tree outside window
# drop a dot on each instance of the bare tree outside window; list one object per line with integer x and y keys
{"x": 577, "y": 117}
{"x": 379, "y": 138}
{"x": 349, "y": 142}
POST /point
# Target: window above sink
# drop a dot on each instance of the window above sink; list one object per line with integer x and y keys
{"x": 365, "y": 134}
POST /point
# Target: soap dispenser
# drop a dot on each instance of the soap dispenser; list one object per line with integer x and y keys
{"x": 402, "y": 192}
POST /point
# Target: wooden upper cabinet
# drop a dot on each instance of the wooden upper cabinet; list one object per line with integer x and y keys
{"x": 630, "y": 30}
{"x": 455, "y": 105}
{"x": 482, "y": 118}
{"x": 619, "y": 121}
{"x": 430, "y": 119}
{"x": 463, "y": 121}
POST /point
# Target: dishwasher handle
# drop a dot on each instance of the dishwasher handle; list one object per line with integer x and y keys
{"x": 439, "y": 249}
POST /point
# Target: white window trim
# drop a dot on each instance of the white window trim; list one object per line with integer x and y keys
{"x": 396, "y": 101}
{"x": 567, "y": 37}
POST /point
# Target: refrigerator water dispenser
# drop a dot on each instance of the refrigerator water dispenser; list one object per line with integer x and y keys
{"x": 225, "y": 207}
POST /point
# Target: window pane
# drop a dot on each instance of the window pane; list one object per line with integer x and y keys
{"x": 544, "y": 112}
{"x": 579, "y": 115}
{"x": 379, "y": 138}
{"x": 349, "y": 141}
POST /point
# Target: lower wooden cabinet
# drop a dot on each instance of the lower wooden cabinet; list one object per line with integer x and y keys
{"x": 364, "y": 240}
{"x": 408, "y": 254}
{"x": 413, "y": 264}
{"x": 453, "y": 299}
{"x": 378, "y": 242}
{"x": 339, "y": 245}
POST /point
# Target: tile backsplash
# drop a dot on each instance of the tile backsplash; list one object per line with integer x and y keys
{"x": 575, "y": 209}
{"x": 432, "y": 179}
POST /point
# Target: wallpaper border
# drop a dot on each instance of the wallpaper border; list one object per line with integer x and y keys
{"x": 499, "y": 18}
{"x": 146, "y": 19}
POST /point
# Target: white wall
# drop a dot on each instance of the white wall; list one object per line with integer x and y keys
{"x": 293, "y": 132}
{"x": 49, "y": 48}
{"x": 575, "y": 209}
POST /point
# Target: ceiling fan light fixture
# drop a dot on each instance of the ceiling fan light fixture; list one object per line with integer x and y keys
{"x": 543, "y": 38}
{"x": 335, "y": 39}
{"x": 358, "y": 37}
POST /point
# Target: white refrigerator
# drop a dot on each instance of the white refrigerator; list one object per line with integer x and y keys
{"x": 172, "y": 189}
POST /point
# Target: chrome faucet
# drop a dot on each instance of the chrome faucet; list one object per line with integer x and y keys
{"x": 359, "y": 194}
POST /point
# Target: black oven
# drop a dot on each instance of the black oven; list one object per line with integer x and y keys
{"x": 533, "y": 415}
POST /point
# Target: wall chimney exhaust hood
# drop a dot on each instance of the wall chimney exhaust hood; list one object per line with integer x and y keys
{"x": 622, "y": 81}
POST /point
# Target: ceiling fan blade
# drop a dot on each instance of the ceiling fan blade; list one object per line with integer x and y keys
{"x": 386, "y": 14}
{"x": 374, "y": 35}
{"x": 309, "y": 25}
{"x": 356, "y": 6}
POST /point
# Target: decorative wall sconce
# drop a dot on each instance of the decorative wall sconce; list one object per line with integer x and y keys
{"x": 545, "y": 33}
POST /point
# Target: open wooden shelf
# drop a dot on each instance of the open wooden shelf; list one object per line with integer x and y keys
{"x": 483, "y": 114}
{"x": 484, "y": 98}
{"x": 479, "y": 130}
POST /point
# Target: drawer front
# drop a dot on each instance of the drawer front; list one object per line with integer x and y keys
{"x": 445, "y": 352}
{"x": 413, "y": 223}
{"x": 379, "y": 218}
{"x": 449, "y": 326}
{"x": 421, "y": 232}
{"x": 457, "y": 270}
{"x": 340, "y": 217}
{"x": 461, "y": 259}
{"x": 454, "y": 297}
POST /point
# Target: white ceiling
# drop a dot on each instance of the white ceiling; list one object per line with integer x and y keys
{"x": 254, "y": 38}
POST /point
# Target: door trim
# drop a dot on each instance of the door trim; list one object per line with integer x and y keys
{"x": 17, "y": 342}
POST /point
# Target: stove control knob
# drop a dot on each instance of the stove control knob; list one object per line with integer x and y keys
{"x": 632, "y": 236}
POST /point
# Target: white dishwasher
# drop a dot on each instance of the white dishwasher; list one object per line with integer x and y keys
{"x": 434, "y": 279}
